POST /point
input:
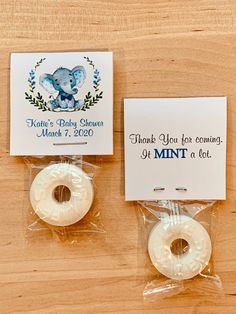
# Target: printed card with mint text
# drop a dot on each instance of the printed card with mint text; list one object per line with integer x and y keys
{"x": 175, "y": 148}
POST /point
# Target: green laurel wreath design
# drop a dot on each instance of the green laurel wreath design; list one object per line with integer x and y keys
{"x": 35, "y": 99}
{"x": 91, "y": 99}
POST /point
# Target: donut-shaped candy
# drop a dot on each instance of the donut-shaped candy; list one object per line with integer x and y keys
{"x": 187, "y": 264}
{"x": 44, "y": 202}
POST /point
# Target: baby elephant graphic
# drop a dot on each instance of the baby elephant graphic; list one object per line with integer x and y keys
{"x": 65, "y": 82}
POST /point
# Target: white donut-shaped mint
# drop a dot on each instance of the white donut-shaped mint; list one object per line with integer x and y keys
{"x": 67, "y": 212}
{"x": 188, "y": 264}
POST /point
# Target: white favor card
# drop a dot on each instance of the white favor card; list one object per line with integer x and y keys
{"x": 175, "y": 148}
{"x": 61, "y": 103}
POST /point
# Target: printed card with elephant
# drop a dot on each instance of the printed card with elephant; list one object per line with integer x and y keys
{"x": 62, "y": 103}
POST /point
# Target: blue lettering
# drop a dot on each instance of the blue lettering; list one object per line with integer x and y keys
{"x": 47, "y": 133}
{"x": 170, "y": 153}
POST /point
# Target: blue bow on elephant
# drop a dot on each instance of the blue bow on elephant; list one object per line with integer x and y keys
{"x": 65, "y": 82}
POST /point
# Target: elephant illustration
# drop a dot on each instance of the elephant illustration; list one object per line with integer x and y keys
{"x": 65, "y": 82}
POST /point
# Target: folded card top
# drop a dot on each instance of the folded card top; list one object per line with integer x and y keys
{"x": 175, "y": 148}
{"x": 61, "y": 103}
